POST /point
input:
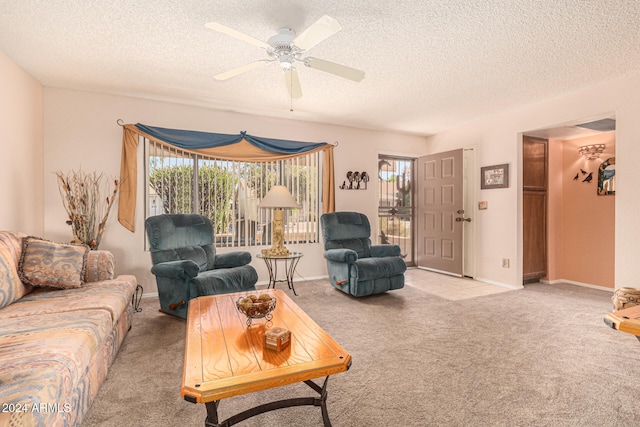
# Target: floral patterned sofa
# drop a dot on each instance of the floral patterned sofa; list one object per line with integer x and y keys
{"x": 63, "y": 317}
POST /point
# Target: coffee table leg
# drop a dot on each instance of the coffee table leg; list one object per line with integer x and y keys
{"x": 212, "y": 414}
{"x": 321, "y": 401}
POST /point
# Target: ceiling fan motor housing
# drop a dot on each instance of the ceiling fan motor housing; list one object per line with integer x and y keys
{"x": 283, "y": 48}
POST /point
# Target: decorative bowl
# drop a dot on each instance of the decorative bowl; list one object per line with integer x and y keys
{"x": 256, "y": 307}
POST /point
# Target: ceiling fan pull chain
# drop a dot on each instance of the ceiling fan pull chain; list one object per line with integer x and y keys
{"x": 291, "y": 95}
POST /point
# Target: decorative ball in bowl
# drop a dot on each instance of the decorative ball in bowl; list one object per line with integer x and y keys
{"x": 256, "y": 307}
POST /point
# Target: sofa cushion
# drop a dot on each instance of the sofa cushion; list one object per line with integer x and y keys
{"x": 56, "y": 265}
{"x": 45, "y": 360}
{"x": 113, "y": 296}
{"x": 11, "y": 287}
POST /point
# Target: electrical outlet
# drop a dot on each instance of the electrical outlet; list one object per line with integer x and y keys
{"x": 505, "y": 262}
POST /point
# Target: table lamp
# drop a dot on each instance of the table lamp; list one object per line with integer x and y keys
{"x": 278, "y": 198}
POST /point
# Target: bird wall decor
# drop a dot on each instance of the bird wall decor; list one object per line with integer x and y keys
{"x": 587, "y": 179}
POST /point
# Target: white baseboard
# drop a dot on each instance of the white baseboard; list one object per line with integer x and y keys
{"x": 304, "y": 279}
{"x": 573, "y": 282}
{"x": 435, "y": 270}
{"x": 479, "y": 279}
{"x": 295, "y": 280}
{"x": 493, "y": 282}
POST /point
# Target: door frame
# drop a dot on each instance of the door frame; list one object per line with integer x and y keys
{"x": 470, "y": 196}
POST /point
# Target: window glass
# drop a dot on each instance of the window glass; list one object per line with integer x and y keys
{"x": 229, "y": 192}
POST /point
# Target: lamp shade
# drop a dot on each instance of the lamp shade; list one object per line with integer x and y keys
{"x": 278, "y": 197}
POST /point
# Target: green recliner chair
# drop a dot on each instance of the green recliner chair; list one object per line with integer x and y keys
{"x": 355, "y": 265}
{"x": 186, "y": 265}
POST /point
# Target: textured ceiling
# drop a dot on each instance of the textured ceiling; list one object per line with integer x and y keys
{"x": 430, "y": 64}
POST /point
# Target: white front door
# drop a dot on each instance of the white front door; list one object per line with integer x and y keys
{"x": 440, "y": 215}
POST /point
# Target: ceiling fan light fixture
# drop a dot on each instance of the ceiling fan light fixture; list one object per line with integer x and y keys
{"x": 286, "y": 61}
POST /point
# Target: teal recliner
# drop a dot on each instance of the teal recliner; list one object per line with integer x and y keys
{"x": 186, "y": 265}
{"x": 355, "y": 265}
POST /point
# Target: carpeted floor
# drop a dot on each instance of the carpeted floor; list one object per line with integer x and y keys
{"x": 540, "y": 356}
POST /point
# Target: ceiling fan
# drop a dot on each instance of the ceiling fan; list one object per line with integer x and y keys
{"x": 286, "y": 48}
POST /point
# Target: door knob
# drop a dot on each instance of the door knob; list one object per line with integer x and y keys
{"x": 460, "y": 219}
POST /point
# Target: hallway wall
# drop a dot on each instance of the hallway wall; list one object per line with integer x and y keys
{"x": 583, "y": 243}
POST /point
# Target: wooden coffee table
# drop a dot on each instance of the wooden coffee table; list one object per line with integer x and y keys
{"x": 223, "y": 357}
{"x": 626, "y": 320}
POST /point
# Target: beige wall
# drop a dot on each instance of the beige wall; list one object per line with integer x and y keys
{"x": 588, "y": 220}
{"x": 81, "y": 131}
{"x": 21, "y": 139}
{"x": 499, "y": 140}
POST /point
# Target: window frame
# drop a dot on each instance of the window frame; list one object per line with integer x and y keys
{"x": 310, "y": 203}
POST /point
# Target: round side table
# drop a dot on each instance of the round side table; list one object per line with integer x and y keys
{"x": 290, "y": 263}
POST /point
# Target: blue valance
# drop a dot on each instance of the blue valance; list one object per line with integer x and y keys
{"x": 249, "y": 149}
{"x": 190, "y": 140}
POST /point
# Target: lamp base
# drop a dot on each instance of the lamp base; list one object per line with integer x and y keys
{"x": 275, "y": 252}
{"x": 277, "y": 236}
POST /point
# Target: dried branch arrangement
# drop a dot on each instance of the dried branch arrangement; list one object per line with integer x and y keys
{"x": 87, "y": 198}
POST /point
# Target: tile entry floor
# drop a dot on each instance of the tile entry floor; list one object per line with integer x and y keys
{"x": 449, "y": 287}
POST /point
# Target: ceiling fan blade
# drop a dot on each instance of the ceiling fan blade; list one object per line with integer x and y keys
{"x": 293, "y": 83}
{"x": 237, "y": 34}
{"x": 333, "y": 68}
{"x": 250, "y": 66}
{"x": 320, "y": 30}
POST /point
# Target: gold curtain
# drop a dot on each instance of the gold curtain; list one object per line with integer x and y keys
{"x": 241, "y": 151}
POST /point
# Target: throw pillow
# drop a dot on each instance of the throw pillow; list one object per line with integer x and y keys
{"x": 56, "y": 265}
{"x": 100, "y": 266}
